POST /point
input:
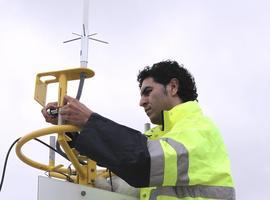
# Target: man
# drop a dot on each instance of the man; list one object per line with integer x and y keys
{"x": 183, "y": 157}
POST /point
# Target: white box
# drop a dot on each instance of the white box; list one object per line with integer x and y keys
{"x": 52, "y": 189}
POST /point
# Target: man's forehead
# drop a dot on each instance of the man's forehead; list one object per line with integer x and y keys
{"x": 147, "y": 83}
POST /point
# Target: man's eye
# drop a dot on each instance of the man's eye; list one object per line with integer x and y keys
{"x": 147, "y": 92}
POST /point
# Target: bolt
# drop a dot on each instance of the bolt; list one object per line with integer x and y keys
{"x": 83, "y": 193}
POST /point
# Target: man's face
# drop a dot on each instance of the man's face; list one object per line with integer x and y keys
{"x": 154, "y": 99}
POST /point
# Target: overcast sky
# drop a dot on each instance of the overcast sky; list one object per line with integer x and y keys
{"x": 225, "y": 45}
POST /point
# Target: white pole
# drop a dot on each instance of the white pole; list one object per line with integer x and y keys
{"x": 52, "y": 153}
{"x": 84, "y": 39}
{"x": 85, "y": 13}
{"x": 147, "y": 127}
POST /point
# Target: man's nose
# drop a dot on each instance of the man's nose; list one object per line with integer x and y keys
{"x": 143, "y": 101}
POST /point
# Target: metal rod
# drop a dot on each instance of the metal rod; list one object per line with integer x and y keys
{"x": 84, "y": 38}
{"x": 52, "y": 153}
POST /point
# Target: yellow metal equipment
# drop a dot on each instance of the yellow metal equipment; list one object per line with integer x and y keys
{"x": 83, "y": 173}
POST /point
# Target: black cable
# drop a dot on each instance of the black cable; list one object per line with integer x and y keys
{"x": 81, "y": 83}
{"x": 58, "y": 150}
{"x": 7, "y": 155}
{"x": 5, "y": 164}
{"x": 47, "y": 146}
{"x": 62, "y": 153}
{"x": 68, "y": 178}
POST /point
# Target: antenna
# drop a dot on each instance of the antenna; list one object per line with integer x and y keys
{"x": 84, "y": 37}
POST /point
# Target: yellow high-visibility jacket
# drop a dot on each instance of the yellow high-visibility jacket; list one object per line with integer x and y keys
{"x": 188, "y": 158}
{"x": 184, "y": 158}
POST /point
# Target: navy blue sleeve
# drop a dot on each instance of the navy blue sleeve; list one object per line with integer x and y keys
{"x": 119, "y": 148}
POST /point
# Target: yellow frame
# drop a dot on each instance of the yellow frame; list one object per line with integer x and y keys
{"x": 85, "y": 174}
{"x": 69, "y": 74}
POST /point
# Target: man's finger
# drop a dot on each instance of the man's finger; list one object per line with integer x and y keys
{"x": 68, "y": 99}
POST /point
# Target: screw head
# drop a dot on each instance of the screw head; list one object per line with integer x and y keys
{"x": 83, "y": 193}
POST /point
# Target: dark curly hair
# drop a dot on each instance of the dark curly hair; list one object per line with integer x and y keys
{"x": 164, "y": 71}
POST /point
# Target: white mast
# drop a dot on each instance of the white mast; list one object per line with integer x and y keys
{"x": 84, "y": 37}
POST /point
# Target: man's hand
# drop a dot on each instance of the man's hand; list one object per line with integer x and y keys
{"x": 74, "y": 112}
{"x": 50, "y": 118}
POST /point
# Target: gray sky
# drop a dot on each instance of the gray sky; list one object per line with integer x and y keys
{"x": 225, "y": 45}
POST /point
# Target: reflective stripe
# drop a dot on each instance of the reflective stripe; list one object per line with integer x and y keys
{"x": 214, "y": 192}
{"x": 157, "y": 162}
{"x": 182, "y": 161}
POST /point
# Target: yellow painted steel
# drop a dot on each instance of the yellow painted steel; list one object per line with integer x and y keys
{"x": 53, "y": 77}
{"x": 39, "y": 133}
{"x": 71, "y": 156}
{"x": 83, "y": 174}
{"x": 62, "y": 89}
{"x": 92, "y": 174}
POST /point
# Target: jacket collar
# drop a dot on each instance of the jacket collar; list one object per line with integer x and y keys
{"x": 178, "y": 113}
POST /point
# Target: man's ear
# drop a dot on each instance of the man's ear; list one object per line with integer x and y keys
{"x": 173, "y": 86}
